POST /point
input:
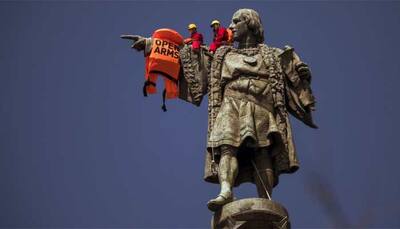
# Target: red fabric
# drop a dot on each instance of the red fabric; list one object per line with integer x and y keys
{"x": 197, "y": 40}
{"x": 220, "y": 38}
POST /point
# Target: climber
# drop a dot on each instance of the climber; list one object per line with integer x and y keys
{"x": 221, "y": 36}
{"x": 196, "y": 38}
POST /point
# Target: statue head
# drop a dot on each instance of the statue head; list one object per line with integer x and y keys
{"x": 245, "y": 23}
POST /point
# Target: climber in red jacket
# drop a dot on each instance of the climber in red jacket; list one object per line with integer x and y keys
{"x": 196, "y": 38}
{"x": 221, "y": 36}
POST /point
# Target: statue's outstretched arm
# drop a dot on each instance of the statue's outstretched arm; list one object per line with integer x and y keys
{"x": 194, "y": 68}
{"x": 138, "y": 42}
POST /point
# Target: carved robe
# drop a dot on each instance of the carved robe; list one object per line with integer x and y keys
{"x": 250, "y": 93}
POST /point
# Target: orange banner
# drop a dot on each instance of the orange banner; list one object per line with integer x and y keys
{"x": 164, "y": 50}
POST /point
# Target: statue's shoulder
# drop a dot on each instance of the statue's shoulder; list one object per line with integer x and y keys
{"x": 220, "y": 54}
{"x": 222, "y": 51}
{"x": 269, "y": 49}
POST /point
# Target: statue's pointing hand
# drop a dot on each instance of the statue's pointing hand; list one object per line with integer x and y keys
{"x": 138, "y": 42}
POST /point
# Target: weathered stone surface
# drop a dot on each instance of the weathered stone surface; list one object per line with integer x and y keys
{"x": 251, "y": 213}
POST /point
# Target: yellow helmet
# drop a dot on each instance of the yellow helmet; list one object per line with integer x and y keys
{"x": 192, "y": 26}
{"x": 214, "y": 22}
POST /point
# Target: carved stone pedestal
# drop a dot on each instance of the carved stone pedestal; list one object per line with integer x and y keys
{"x": 251, "y": 213}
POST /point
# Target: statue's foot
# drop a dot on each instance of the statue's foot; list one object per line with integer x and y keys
{"x": 222, "y": 199}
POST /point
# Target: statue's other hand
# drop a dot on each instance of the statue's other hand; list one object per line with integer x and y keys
{"x": 311, "y": 107}
{"x": 303, "y": 70}
{"x": 138, "y": 42}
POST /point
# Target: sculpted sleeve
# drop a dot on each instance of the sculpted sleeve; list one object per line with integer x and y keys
{"x": 300, "y": 101}
{"x": 193, "y": 80}
{"x": 147, "y": 47}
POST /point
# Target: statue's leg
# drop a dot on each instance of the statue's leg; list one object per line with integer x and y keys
{"x": 228, "y": 170}
{"x": 264, "y": 176}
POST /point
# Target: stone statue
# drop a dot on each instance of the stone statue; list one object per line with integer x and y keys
{"x": 251, "y": 89}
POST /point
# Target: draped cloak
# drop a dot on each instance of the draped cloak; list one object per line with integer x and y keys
{"x": 201, "y": 75}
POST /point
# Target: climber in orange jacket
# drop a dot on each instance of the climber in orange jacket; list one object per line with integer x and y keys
{"x": 196, "y": 38}
{"x": 221, "y": 36}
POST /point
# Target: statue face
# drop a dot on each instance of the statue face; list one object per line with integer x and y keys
{"x": 239, "y": 26}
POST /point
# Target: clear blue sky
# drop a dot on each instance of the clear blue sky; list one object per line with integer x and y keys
{"x": 81, "y": 147}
